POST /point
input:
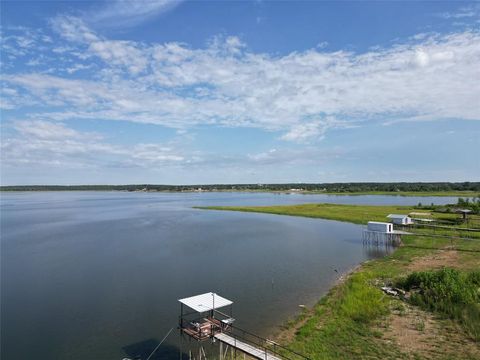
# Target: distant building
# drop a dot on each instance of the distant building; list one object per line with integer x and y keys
{"x": 463, "y": 212}
{"x": 382, "y": 227}
{"x": 400, "y": 219}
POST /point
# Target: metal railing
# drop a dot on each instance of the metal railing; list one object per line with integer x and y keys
{"x": 196, "y": 327}
{"x": 269, "y": 347}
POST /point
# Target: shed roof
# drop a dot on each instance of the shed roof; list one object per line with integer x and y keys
{"x": 420, "y": 213}
{"x": 397, "y": 216}
{"x": 205, "y": 302}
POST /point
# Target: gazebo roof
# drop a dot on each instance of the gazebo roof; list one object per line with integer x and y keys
{"x": 205, "y": 302}
{"x": 420, "y": 213}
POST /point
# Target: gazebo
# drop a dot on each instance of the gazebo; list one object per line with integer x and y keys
{"x": 205, "y": 321}
{"x": 464, "y": 213}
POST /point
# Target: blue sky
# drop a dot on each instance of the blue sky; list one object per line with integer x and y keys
{"x": 189, "y": 92}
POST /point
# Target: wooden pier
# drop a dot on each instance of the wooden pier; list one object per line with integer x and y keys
{"x": 206, "y": 322}
{"x": 244, "y": 347}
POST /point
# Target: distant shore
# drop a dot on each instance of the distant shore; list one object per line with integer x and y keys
{"x": 453, "y": 193}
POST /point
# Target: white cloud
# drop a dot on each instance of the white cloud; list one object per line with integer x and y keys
{"x": 421, "y": 58}
{"x": 73, "y": 29}
{"x": 40, "y": 143}
{"x": 46, "y": 130}
{"x": 154, "y": 153}
{"x": 314, "y": 129}
{"x": 120, "y": 53}
{"x": 77, "y": 67}
{"x": 125, "y": 54}
{"x": 128, "y": 13}
{"x": 288, "y": 157}
{"x": 471, "y": 11}
{"x": 17, "y": 42}
{"x": 301, "y": 94}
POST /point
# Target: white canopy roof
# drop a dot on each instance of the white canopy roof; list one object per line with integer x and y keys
{"x": 397, "y": 216}
{"x": 205, "y": 302}
{"x": 420, "y": 213}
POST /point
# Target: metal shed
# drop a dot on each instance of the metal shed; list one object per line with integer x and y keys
{"x": 382, "y": 227}
{"x": 400, "y": 219}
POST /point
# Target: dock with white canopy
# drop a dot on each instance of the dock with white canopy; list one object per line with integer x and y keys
{"x": 205, "y": 321}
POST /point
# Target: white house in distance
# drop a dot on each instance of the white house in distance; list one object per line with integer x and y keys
{"x": 400, "y": 219}
{"x": 382, "y": 227}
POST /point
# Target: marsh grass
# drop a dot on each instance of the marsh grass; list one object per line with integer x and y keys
{"x": 345, "y": 323}
{"x": 451, "y": 292}
{"x": 358, "y": 214}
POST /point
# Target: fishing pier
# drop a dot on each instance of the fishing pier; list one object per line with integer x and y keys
{"x": 201, "y": 320}
{"x": 382, "y": 232}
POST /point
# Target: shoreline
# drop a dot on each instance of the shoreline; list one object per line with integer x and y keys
{"x": 466, "y": 194}
{"x": 277, "y": 330}
{"x": 302, "y": 314}
{"x": 356, "y": 319}
{"x": 344, "y": 276}
{"x": 299, "y": 333}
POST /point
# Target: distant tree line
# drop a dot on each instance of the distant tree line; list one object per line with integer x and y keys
{"x": 472, "y": 204}
{"x": 322, "y": 187}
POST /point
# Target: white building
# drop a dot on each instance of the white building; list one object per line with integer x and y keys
{"x": 382, "y": 227}
{"x": 400, "y": 219}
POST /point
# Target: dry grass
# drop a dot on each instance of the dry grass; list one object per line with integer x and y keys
{"x": 420, "y": 334}
{"x": 437, "y": 260}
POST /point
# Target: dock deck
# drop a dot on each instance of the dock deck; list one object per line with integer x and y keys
{"x": 246, "y": 348}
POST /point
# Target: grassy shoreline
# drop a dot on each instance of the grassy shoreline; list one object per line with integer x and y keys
{"x": 357, "y": 214}
{"x": 405, "y": 193}
{"x": 357, "y": 320}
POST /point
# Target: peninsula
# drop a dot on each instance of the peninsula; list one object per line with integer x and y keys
{"x": 435, "y": 312}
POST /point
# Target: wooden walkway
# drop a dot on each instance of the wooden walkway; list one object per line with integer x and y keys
{"x": 246, "y": 348}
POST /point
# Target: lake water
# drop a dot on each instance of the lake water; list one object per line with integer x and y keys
{"x": 94, "y": 274}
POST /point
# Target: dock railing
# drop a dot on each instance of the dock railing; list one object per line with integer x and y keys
{"x": 207, "y": 326}
{"x": 268, "y": 346}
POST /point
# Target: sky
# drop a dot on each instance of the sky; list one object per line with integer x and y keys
{"x": 199, "y": 92}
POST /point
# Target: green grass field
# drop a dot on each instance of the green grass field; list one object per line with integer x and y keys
{"x": 404, "y": 193}
{"x": 345, "y": 323}
{"x": 358, "y": 214}
{"x": 351, "y": 320}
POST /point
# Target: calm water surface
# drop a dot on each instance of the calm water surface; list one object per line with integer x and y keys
{"x": 89, "y": 274}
